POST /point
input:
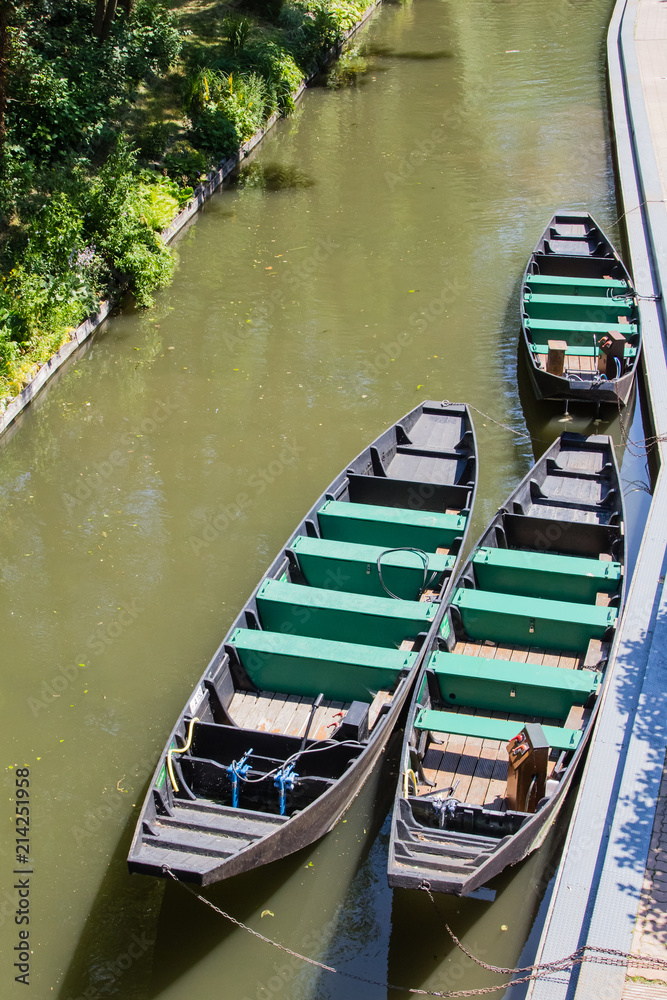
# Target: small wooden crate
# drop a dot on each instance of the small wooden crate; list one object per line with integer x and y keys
{"x": 556, "y": 357}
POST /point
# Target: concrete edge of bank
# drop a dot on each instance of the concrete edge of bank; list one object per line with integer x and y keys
{"x": 597, "y": 888}
{"x": 201, "y": 195}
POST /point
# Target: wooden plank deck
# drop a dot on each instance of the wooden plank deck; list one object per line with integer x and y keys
{"x": 282, "y": 713}
{"x": 573, "y": 363}
{"x": 520, "y": 654}
{"x": 288, "y": 713}
{"x": 480, "y": 766}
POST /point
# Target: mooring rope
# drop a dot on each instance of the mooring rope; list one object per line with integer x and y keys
{"x": 601, "y": 956}
{"x": 638, "y": 449}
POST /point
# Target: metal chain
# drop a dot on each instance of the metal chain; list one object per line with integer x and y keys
{"x": 641, "y": 448}
{"x": 534, "y": 971}
{"x": 587, "y": 953}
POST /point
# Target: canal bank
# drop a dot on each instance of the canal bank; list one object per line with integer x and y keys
{"x": 9, "y": 412}
{"x": 611, "y": 890}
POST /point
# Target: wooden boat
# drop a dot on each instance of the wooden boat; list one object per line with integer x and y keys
{"x": 299, "y": 700}
{"x": 579, "y": 316}
{"x": 511, "y": 682}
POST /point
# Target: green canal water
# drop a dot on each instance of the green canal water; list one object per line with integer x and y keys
{"x": 367, "y": 259}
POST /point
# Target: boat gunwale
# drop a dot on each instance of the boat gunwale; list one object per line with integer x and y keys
{"x": 511, "y": 848}
{"x": 545, "y": 384}
{"x": 384, "y": 724}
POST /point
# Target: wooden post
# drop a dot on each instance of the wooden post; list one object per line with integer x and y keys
{"x": 556, "y": 358}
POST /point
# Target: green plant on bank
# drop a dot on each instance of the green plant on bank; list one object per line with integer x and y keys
{"x": 80, "y": 212}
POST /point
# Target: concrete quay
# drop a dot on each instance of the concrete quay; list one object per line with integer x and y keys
{"x": 611, "y": 887}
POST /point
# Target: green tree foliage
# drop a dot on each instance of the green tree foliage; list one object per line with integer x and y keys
{"x": 77, "y": 215}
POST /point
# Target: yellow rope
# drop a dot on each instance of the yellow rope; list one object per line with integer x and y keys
{"x": 170, "y": 766}
{"x": 409, "y": 773}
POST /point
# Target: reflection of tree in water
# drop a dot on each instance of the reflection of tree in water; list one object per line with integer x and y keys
{"x": 273, "y": 177}
{"x": 387, "y": 52}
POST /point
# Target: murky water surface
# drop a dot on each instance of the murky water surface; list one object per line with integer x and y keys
{"x": 369, "y": 258}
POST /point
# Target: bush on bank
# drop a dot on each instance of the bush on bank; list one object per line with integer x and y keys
{"x": 83, "y": 196}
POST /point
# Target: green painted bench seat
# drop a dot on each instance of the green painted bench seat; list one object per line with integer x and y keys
{"x": 576, "y": 332}
{"x": 296, "y": 664}
{"x": 598, "y": 309}
{"x": 581, "y": 350}
{"x": 388, "y": 526}
{"x": 556, "y": 283}
{"x": 509, "y": 686}
{"x": 543, "y": 574}
{"x": 335, "y": 614}
{"x": 483, "y": 728}
{"x": 531, "y": 621}
{"x": 348, "y": 566}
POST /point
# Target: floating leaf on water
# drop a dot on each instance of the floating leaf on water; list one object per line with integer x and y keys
{"x": 267, "y": 913}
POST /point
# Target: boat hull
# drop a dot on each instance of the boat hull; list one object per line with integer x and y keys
{"x": 556, "y": 388}
{"x": 530, "y": 621}
{"x": 298, "y": 703}
{"x": 572, "y": 289}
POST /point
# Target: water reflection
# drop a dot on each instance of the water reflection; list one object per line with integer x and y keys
{"x": 272, "y": 176}
{"x": 387, "y": 52}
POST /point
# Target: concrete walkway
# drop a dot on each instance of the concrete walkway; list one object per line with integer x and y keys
{"x": 650, "y": 937}
{"x": 651, "y": 48}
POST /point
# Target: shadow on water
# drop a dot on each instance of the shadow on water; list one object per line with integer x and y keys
{"x": 142, "y": 932}
{"x": 114, "y": 954}
{"x": 387, "y": 52}
{"x": 494, "y": 932}
{"x": 272, "y": 176}
{"x": 188, "y": 930}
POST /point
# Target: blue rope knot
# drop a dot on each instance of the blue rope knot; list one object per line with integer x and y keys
{"x": 284, "y": 781}
{"x": 236, "y": 772}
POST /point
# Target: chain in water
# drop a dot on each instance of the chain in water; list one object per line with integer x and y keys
{"x": 603, "y": 956}
{"x": 587, "y": 953}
